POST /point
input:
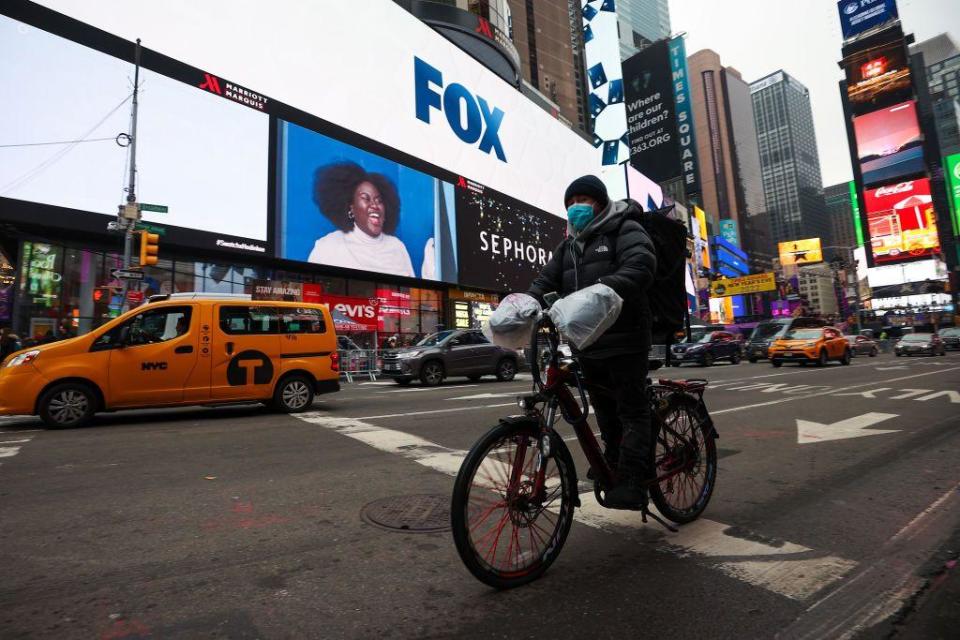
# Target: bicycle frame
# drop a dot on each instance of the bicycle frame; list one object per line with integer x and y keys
{"x": 556, "y": 394}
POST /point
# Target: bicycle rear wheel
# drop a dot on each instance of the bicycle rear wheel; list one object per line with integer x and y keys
{"x": 507, "y": 531}
{"x": 686, "y": 451}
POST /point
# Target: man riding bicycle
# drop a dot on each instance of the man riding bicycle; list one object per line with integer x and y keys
{"x": 603, "y": 245}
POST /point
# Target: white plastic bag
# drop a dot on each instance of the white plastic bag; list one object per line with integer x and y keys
{"x": 511, "y": 325}
{"x": 584, "y": 315}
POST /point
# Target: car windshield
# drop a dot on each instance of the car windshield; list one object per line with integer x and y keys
{"x": 953, "y": 331}
{"x": 802, "y": 334}
{"x": 767, "y": 330}
{"x": 917, "y": 337}
{"x": 707, "y": 337}
{"x": 435, "y": 339}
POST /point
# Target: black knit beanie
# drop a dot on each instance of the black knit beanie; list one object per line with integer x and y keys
{"x": 587, "y": 186}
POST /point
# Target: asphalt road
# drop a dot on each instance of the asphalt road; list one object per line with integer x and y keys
{"x": 238, "y": 523}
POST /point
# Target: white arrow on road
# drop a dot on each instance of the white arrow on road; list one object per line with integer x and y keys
{"x": 808, "y": 432}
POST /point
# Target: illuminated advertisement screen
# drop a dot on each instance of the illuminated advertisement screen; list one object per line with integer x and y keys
{"x": 805, "y": 251}
{"x": 877, "y": 77}
{"x": 342, "y": 206}
{"x": 889, "y": 143}
{"x": 503, "y": 244}
{"x": 651, "y": 117}
{"x": 857, "y": 16}
{"x": 901, "y": 221}
{"x": 202, "y": 156}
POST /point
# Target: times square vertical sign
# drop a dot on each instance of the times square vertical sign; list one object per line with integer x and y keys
{"x": 684, "y": 113}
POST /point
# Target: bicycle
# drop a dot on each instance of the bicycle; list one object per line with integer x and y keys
{"x": 516, "y": 491}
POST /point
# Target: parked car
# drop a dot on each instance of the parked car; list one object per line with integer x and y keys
{"x": 920, "y": 344}
{"x": 951, "y": 337}
{"x": 862, "y": 345}
{"x": 816, "y": 345}
{"x": 450, "y": 353}
{"x": 713, "y": 346}
{"x": 765, "y": 333}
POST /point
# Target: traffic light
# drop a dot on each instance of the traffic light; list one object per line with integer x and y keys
{"x": 149, "y": 248}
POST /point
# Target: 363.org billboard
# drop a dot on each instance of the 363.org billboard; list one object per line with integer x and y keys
{"x": 651, "y": 117}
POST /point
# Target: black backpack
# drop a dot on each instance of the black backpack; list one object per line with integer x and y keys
{"x": 667, "y": 295}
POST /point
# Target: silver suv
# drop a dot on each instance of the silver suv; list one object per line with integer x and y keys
{"x": 450, "y": 353}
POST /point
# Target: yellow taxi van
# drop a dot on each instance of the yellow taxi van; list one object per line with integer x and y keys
{"x": 178, "y": 349}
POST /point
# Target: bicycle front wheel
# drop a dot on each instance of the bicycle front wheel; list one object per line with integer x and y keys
{"x": 509, "y": 520}
{"x": 686, "y": 461}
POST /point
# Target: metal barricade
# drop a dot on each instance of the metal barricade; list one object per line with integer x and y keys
{"x": 359, "y": 362}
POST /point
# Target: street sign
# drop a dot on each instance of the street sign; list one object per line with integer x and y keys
{"x": 155, "y": 208}
{"x": 127, "y": 274}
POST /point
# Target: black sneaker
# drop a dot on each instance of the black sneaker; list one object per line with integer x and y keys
{"x": 625, "y": 496}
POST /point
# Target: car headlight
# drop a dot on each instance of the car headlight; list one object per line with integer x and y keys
{"x": 810, "y": 344}
{"x": 24, "y": 358}
{"x": 409, "y": 354}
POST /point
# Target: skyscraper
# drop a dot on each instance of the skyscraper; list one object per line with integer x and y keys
{"x": 549, "y": 51}
{"x": 790, "y": 166}
{"x": 641, "y": 22}
{"x": 942, "y": 60}
{"x": 730, "y": 178}
{"x": 840, "y": 214}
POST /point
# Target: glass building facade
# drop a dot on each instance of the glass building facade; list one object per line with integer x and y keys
{"x": 790, "y": 165}
{"x": 641, "y": 22}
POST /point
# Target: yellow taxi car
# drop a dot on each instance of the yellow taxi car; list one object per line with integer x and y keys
{"x": 817, "y": 345}
{"x": 180, "y": 349}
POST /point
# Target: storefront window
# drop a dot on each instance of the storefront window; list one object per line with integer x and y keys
{"x": 40, "y": 289}
{"x": 82, "y": 274}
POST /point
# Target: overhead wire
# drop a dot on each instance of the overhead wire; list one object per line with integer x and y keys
{"x": 31, "y": 174}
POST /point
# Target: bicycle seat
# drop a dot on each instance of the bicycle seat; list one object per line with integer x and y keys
{"x": 693, "y": 384}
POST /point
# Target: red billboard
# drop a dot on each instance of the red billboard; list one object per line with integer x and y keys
{"x": 902, "y": 222}
{"x": 889, "y": 143}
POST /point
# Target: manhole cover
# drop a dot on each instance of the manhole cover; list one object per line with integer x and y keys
{"x": 415, "y": 514}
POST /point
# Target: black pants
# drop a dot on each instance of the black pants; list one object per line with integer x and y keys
{"x": 622, "y": 411}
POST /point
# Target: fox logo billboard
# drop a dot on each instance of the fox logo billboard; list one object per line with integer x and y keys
{"x": 482, "y": 122}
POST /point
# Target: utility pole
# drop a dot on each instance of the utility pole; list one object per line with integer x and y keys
{"x": 130, "y": 212}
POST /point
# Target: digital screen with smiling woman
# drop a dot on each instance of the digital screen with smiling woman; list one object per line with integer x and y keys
{"x": 342, "y": 206}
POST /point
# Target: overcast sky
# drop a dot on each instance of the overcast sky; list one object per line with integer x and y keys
{"x": 802, "y": 37}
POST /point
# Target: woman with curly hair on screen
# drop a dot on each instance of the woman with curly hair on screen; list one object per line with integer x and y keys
{"x": 365, "y": 208}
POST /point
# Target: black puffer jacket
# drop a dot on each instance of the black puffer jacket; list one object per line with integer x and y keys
{"x": 619, "y": 253}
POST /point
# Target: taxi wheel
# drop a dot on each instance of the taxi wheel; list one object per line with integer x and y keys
{"x": 293, "y": 394}
{"x": 845, "y": 359}
{"x": 822, "y": 359}
{"x": 67, "y": 405}
{"x": 776, "y": 363}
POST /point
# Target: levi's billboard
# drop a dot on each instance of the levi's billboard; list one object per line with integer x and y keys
{"x": 360, "y": 75}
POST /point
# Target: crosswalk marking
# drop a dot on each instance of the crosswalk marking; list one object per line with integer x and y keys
{"x": 789, "y": 569}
